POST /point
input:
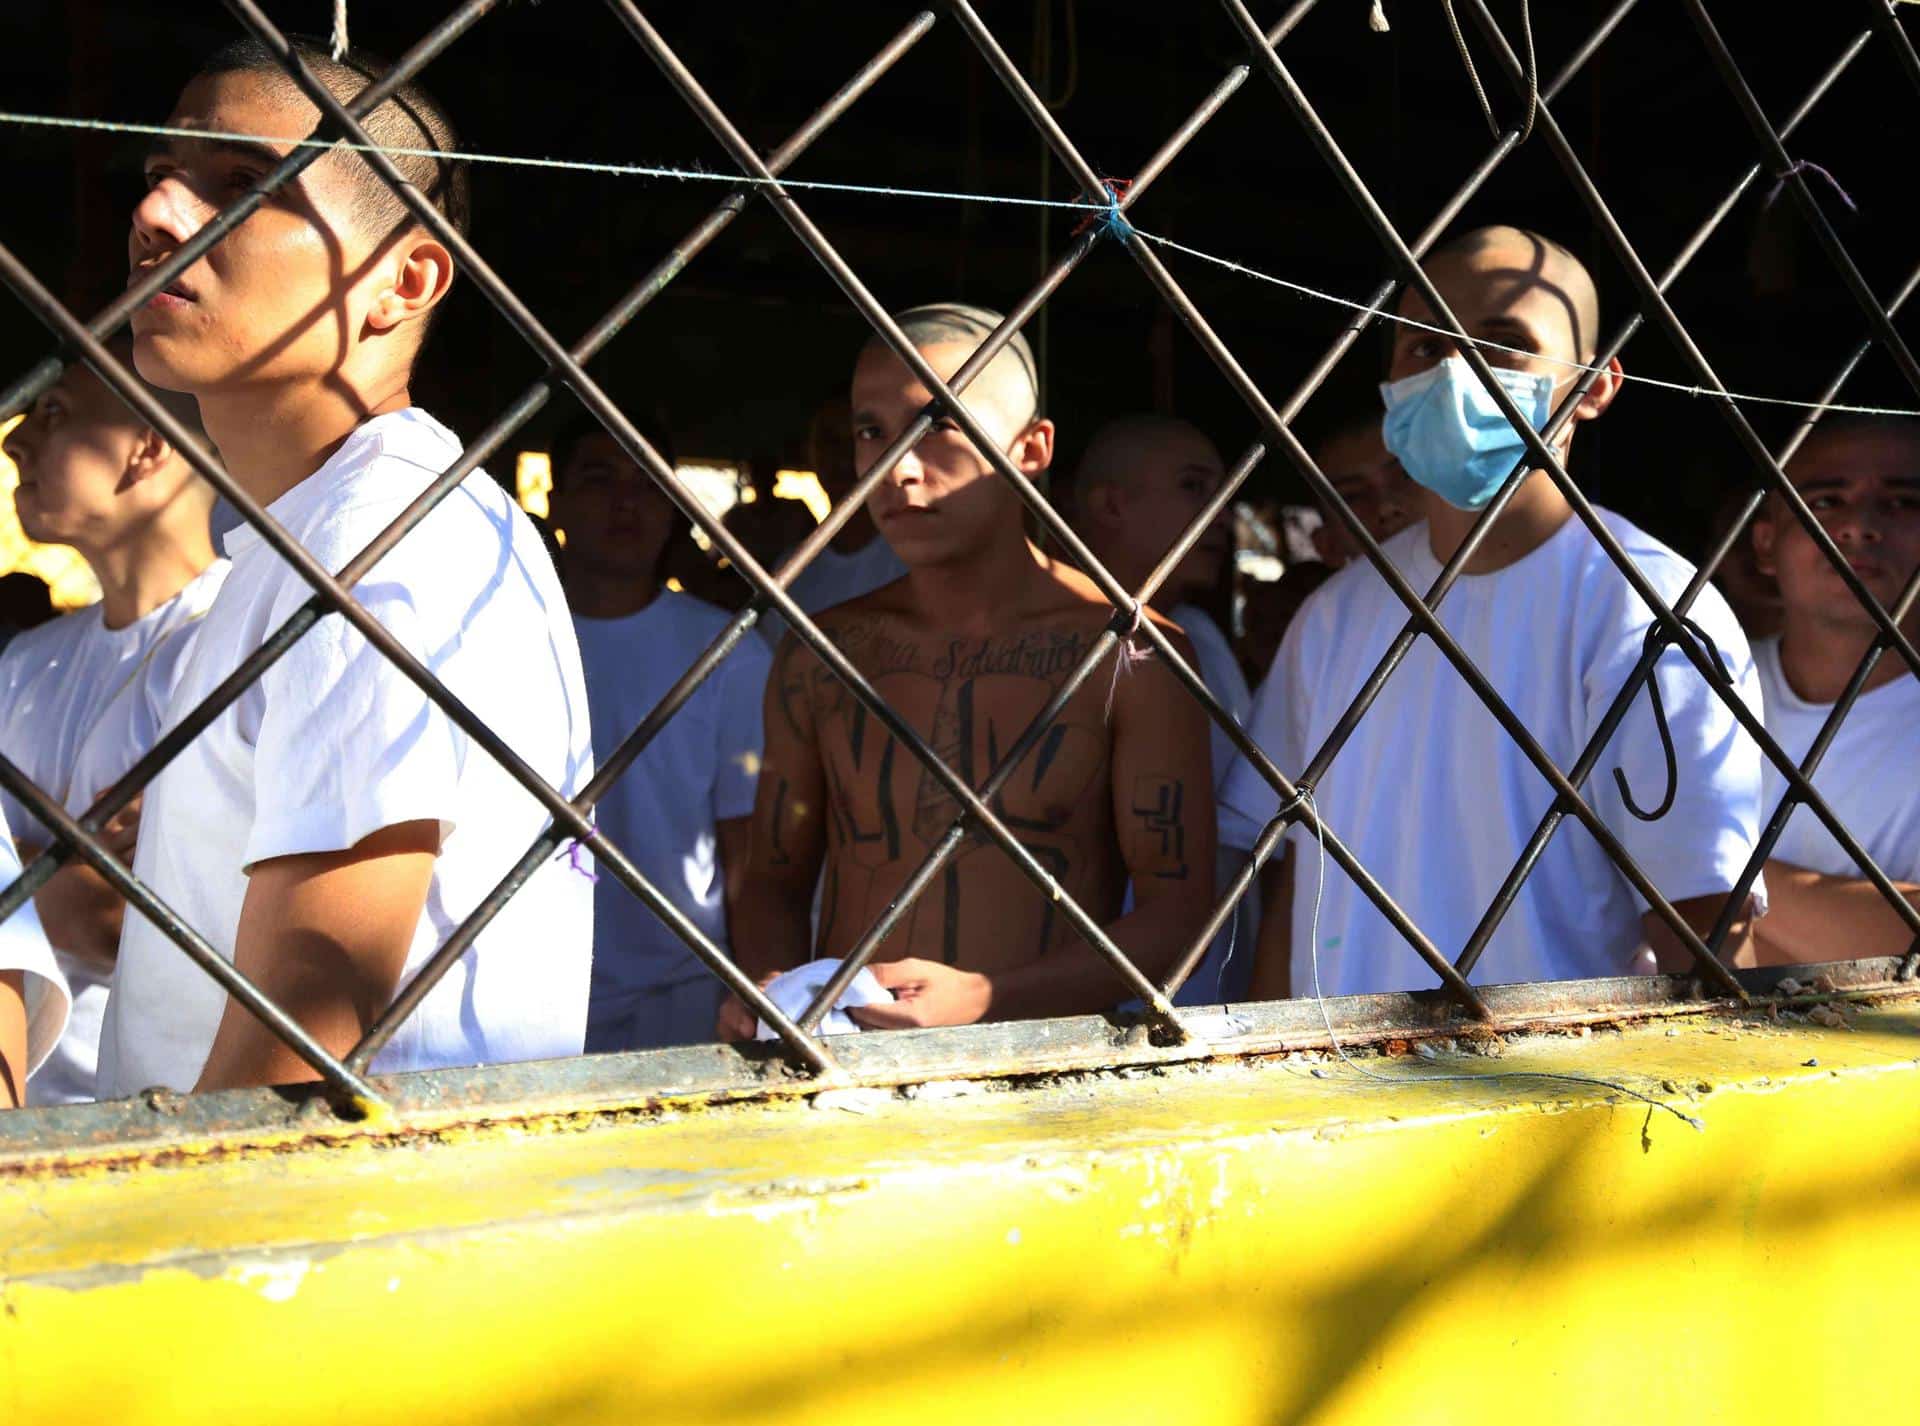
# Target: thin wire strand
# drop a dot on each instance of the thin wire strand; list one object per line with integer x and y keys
{"x": 1385, "y": 314}
{"x": 568, "y": 165}
{"x": 1106, "y": 210}
{"x": 1305, "y": 797}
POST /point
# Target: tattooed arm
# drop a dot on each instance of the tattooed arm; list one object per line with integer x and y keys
{"x": 770, "y": 925}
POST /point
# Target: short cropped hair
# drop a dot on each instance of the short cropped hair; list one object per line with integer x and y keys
{"x": 411, "y": 119}
{"x": 583, "y": 426}
{"x": 1839, "y": 425}
{"x": 940, "y": 323}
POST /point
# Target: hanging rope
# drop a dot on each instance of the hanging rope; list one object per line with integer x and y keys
{"x": 1473, "y": 73}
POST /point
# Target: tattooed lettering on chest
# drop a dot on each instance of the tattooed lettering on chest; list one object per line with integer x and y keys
{"x": 970, "y": 699}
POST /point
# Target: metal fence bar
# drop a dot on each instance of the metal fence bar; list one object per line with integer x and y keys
{"x": 863, "y": 950}
{"x": 1786, "y": 171}
{"x": 1886, "y": 20}
{"x": 1653, "y": 298}
{"x": 29, "y": 387}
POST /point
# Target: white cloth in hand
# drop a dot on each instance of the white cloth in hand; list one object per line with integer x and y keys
{"x": 793, "y": 991}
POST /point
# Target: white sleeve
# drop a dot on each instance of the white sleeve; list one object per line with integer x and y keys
{"x": 1247, "y": 800}
{"x": 12, "y": 811}
{"x": 1702, "y": 843}
{"x": 347, "y": 743}
{"x": 24, "y": 948}
{"x": 742, "y": 681}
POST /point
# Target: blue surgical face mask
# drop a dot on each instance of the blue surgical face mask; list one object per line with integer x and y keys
{"x": 1447, "y": 433}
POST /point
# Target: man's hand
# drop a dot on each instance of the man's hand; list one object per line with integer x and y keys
{"x": 736, "y": 1021}
{"x": 79, "y": 908}
{"x": 13, "y": 1039}
{"x": 1671, "y": 955}
{"x": 925, "y": 993}
{"x": 123, "y": 829}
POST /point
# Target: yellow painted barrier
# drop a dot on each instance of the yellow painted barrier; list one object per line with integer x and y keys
{"x": 1252, "y": 1241}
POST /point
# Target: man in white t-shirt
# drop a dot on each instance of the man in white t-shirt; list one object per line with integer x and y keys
{"x": 33, "y": 994}
{"x": 1861, "y": 477}
{"x": 1143, "y": 479}
{"x": 682, "y": 811}
{"x": 1430, "y": 793}
{"x": 96, "y": 477}
{"x": 857, "y": 561}
{"x": 332, "y": 826}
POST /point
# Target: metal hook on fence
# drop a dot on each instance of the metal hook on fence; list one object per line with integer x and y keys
{"x": 1657, "y": 641}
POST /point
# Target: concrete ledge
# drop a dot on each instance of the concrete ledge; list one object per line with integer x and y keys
{"x": 1254, "y": 1238}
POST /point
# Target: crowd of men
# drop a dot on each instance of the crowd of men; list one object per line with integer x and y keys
{"x": 331, "y": 826}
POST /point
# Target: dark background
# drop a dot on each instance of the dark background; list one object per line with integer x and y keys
{"x": 742, "y": 347}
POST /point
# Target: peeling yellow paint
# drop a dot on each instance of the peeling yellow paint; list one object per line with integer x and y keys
{"x": 1238, "y": 1242}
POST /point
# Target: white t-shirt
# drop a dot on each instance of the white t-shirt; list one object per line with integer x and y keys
{"x": 700, "y": 769}
{"x": 1437, "y": 801}
{"x": 23, "y": 947}
{"x": 833, "y": 578}
{"x": 76, "y": 711}
{"x": 334, "y": 743}
{"x": 1870, "y": 776}
{"x": 1220, "y": 671}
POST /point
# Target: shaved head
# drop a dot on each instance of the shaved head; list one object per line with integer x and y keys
{"x": 1130, "y": 448}
{"x": 1518, "y": 262}
{"x": 1144, "y": 479}
{"x": 1013, "y": 375}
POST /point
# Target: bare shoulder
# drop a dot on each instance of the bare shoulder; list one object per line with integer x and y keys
{"x": 1079, "y": 594}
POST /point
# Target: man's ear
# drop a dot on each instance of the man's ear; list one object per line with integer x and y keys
{"x": 1033, "y": 452}
{"x": 421, "y": 273}
{"x": 1600, "y": 395}
{"x": 1763, "y": 538}
{"x": 151, "y": 454}
{"x": 1099, "y": 501}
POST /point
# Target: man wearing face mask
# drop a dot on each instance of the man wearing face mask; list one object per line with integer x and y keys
{"x": 1430, "y": 793}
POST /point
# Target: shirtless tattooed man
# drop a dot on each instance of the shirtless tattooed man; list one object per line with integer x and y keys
{"x": 968, "y": 647}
